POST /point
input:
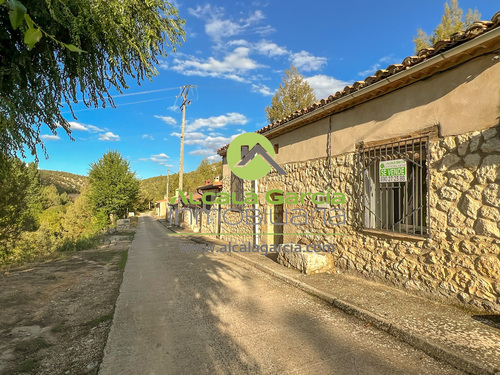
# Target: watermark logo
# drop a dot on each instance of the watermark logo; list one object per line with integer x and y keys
{"x": 251, "y": 156}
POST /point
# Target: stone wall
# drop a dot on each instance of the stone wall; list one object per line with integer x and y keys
{"x": 459, "y": 260}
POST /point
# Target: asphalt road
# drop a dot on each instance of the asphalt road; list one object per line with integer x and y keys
{"x": 181, "y": 313}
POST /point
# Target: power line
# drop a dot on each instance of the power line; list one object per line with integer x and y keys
{"x": 120, "y": 105}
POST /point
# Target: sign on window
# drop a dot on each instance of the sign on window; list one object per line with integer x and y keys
{"x": 392, "y": 170}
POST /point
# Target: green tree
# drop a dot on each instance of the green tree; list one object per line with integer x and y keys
{"x": 50, "y": 197}
{"x": 80, "y": 220}
{"x": 54, "y": 52}
{"x": 113, "y": 187}
{"x": 19, "y": 200}
{"x": 294, "y": 93}
{"x": 452, "y": 21}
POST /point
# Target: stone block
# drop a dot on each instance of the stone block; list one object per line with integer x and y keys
{"x": 491, "y": 145}
{"x": 490, "y": 213}
{"x": 122, "y": 224}
{"x": 470, "y": 206}
{"x": 448, "y": 143}
{"x": 448, "y": 193}
{"x": 489, "y": 133}
{"x": 449, "y": 161}
{"x": 462, "y": 148}
{"x": 487, "y": 228}
{"x": 455, "y": 217}
{"x": 489, "y": 170}
{"x": 491, "y": 195}
{"x": 472, "y": 161}
{"x": 488, "y": 265}
{"x": 308, "y": 262}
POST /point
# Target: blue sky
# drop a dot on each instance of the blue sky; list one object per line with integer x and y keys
{"x": 236, "y": 53}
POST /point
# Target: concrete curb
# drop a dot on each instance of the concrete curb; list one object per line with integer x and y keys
{"x": 422, "y": 343}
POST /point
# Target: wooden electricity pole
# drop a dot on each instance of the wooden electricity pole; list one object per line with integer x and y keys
{"x": 185, "y": 102}
{"x": 168, "y": 181}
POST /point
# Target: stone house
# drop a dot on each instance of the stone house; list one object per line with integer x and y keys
{"x": 161, "y": 208}
{"x": 436, "y": 230}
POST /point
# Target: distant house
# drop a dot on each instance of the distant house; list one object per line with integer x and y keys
{"x": 434, "y": 229}
{"x": 161, "y": 208}
{"x": 194, "y": 213}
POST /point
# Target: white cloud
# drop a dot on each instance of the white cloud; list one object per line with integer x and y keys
{"x": 161, "y": 159}
{"x": 77, "y": 126}
{"x": 189, "y": 135}
{"x": 231, "y": 66}
{"x": 270, "y": 49}
{"x": 370, "y": 71}
{"x": 208, "y": 146}
{"x": 214, "y": 158}
{"x": 94, "y": 128}
{"x": 217, "y": 122}
{"x": 50, "y": 137}
{"x": 382, "y": 63}
{"x": 109, "y": 136}
{"x": 202, "y": 152}
{"x": 304, "y": 61}
{"x": 167, "y": 119}
{"x": 263, "y": 89}
{"x": 217, "y": 26}
{"x": 324, "y": 86}
{"x": 84, "y": 127}
{"x": 148, "y": 136}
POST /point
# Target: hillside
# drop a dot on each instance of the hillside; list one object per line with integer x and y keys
{"x": 154, "y": 188}
{"x": 64, "y": 181}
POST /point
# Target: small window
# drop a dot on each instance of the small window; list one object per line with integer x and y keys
{"x": 236, "y": 192}
{"x": 210, "y": 198}
{"x": 395, "y": 186}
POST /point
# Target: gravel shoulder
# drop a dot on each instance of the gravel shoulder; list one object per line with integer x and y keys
{"x": 55, "y": 316}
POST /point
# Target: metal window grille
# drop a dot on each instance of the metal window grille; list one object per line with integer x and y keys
{"x": 236, "y": 191}
{"x": 400, "y": 207}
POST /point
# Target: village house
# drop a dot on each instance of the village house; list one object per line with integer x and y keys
{"x": 435, "y": 230}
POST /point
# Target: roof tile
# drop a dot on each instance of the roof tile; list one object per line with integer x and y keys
{"x": 473, "y": 31}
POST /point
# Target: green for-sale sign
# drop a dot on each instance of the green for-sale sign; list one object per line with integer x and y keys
{"x": 392, "y": 170}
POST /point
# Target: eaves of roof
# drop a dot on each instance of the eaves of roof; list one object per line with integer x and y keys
{"x": 413, "y": 68}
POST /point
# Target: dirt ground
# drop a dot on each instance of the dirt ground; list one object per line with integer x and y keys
{"x": 55, "y": 316}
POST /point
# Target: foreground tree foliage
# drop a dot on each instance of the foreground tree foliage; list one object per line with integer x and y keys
{"x": 36, "y": 221}
{"x": 452, "y": 21}
{"x": 54, "y": 52}
{"x": 294, "y": 93}
{"x": 19, "y": 204}
{"x": 113, "y": 187}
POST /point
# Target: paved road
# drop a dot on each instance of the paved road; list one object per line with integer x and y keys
{"x": 183, "y": 313}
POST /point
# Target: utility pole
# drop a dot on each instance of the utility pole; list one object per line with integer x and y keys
{"x": 166, "y": 195}
{"x": 185, "y": 102}
{"x": 168, "y": 181}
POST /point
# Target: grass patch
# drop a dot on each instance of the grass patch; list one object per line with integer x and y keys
{"x": 32, "y": 346}
{"x": 27, "y": 365}
{"x": 123, "y": 260}
{"x": 59, "y": 328}
{"x": 103, "y": 256}
{"x": 101, "y": 319}
{"x": 79, "y": 244}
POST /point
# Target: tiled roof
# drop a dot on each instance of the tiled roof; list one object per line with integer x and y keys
{"x": 214, "y": 185}
{"x": 472, "y": 32}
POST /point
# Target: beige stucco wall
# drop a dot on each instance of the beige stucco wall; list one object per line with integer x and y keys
{"x": 463, "y": 99}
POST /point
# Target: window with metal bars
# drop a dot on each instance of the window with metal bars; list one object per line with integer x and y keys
{"x": 236, "y": 192}
{"x": 395, "y": 182}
